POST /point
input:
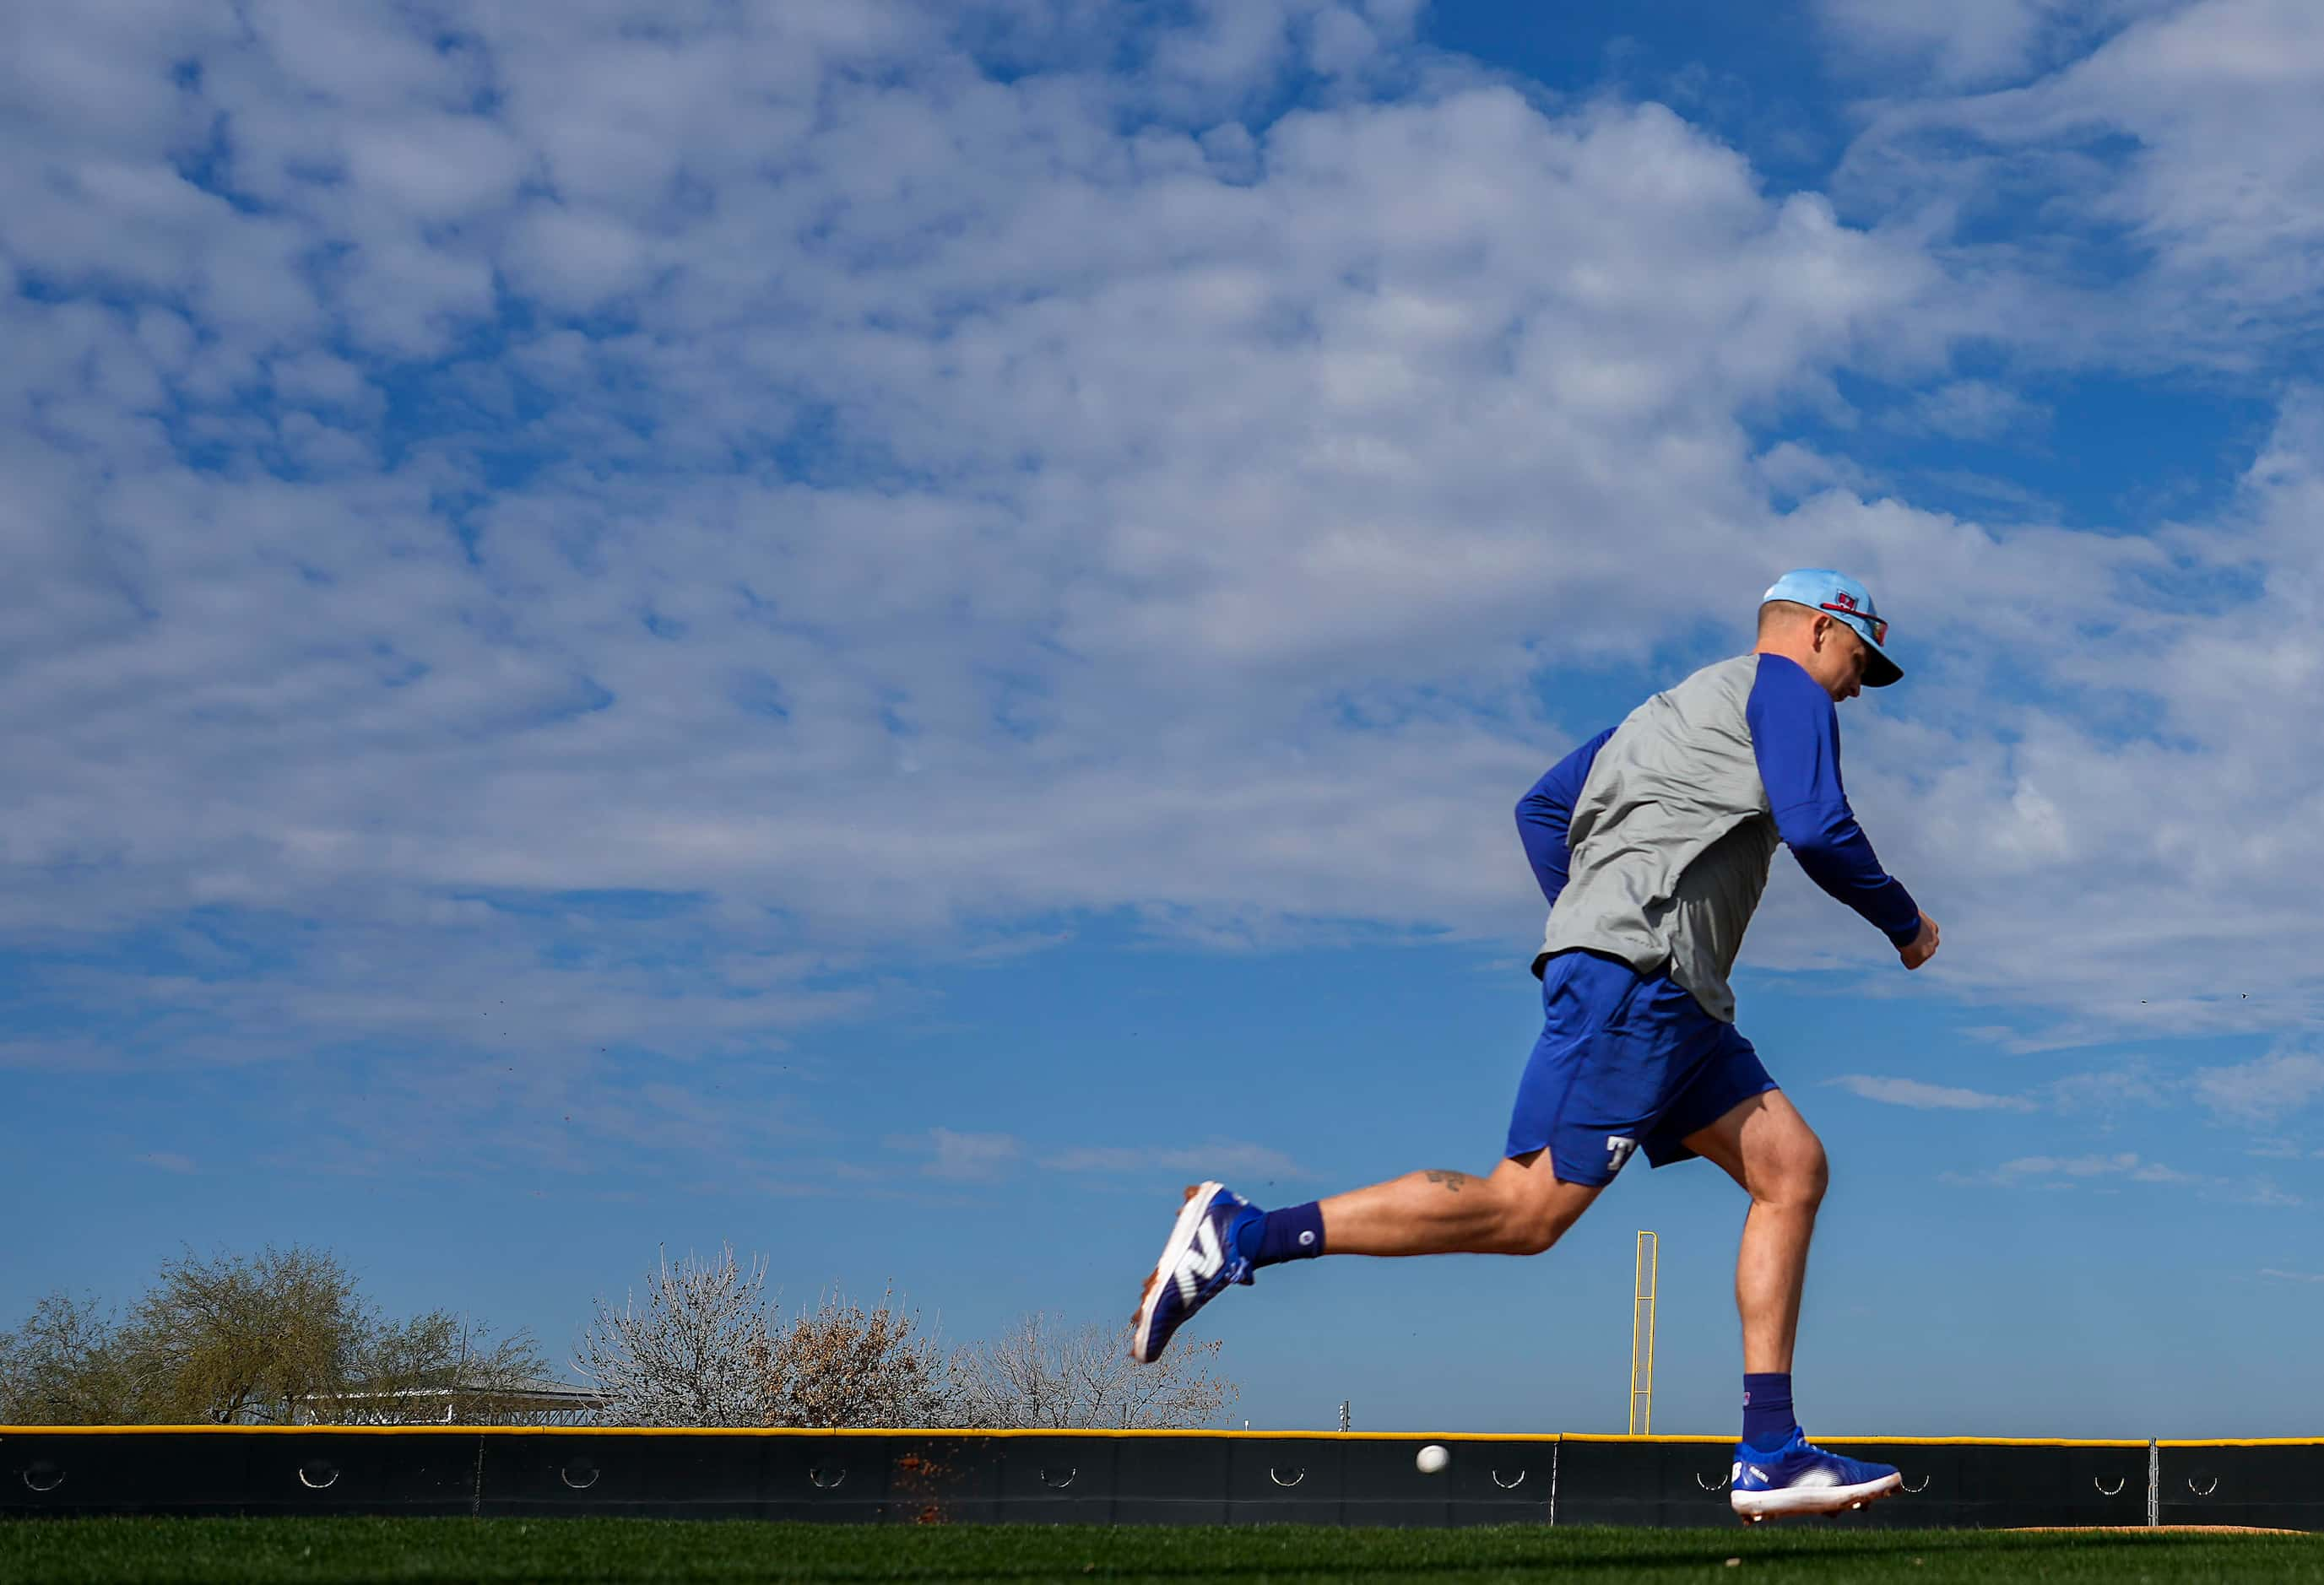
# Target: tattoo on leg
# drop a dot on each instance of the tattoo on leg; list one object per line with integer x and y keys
{"x": 1454, "y": 1182}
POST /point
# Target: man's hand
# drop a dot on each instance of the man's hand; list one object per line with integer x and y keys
{"x": 1923, "y": 946}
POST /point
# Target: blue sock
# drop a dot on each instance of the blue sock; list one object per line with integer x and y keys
{"x": 1269, "y": 1237}
{"x": 1767, "y": 1422}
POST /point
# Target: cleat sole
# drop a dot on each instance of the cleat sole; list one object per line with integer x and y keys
{"x": 1146, "y": 1289}
{"x": 1787, "y": 1501}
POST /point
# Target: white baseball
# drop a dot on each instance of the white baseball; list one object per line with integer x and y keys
{"x": 1432, "y": 1458}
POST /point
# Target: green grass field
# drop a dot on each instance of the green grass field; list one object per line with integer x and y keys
{"x": 634, "y": 1549}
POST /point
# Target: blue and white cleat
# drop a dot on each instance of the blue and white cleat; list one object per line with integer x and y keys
{"x": 1196, "y": 1266}
{"x": 1800, "y": 1477}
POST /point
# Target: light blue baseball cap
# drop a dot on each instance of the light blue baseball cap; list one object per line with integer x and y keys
{"x": 1835, "y": 593}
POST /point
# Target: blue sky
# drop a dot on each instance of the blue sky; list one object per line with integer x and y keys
{"x": 885, "y": 631}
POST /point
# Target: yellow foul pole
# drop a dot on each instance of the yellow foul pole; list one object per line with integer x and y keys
{"x": 1642, "y": 1336}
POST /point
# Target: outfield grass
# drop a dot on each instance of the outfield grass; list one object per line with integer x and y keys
{"x": 638, "y": 1549}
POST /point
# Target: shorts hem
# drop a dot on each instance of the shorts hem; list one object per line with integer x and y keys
{"x": 1677, "y": 1151}
{"x": 1561, "y": 1174}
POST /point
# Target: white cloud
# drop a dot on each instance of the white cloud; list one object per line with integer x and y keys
{"x": 2179, "y": 136}
{"x": 1283, "y": 434}
{"x": 970, "y": 1157}
{"x": 2078, "y": 1166}
{"x": 1914, "y": 1093}
{"x": 2122, "y": 1164}
{"x": 436, "y": 169}
{"x": 2104, "y": 1169}
{"x": 2106, "y": 1092}
{"x": 1235, "y": 1161}
{"x": 576, "y": 261}
{"x": 1975, "y": 409}
{"x": 2267, "y": 1090}
{"x": 1966, "y": 41}
{"x": 977, "y": 500}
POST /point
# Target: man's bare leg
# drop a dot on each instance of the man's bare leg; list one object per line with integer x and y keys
{"x": 1519, "y": 1209}
{"x": 1765, "y": 1145}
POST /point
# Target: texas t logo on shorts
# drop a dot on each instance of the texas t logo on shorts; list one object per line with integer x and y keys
{"x": 1617, "y": 1151}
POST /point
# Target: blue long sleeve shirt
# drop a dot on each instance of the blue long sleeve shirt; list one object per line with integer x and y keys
{"x": 1795, "y": 737}
{"x": 1794, "y": 730}
{"x": 1545, "y": 815}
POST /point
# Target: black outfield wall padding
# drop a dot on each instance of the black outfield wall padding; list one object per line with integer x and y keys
{"x": 218, "y": 1472}
{"x": 1684, "y": 1482}
{"x": 2268, "y": 1485}
{"x": 1120, "y": 1477}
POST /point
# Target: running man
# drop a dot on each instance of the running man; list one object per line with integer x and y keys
{"x": 1652, "y": 842}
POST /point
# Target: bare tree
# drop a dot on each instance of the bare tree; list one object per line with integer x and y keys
{"x": 1037, "y": 1374}
{"x": 702, "y": 1346}
{"x": 696, "y": 1352}
{"x": 841, "y": 1364}
{"x": 67, "y": 1366}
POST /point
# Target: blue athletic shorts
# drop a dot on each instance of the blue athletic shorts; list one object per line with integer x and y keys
{"x": 1625, "y": 1061}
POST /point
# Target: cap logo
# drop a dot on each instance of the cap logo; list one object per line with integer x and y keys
{"x": 1846, "y": 605}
